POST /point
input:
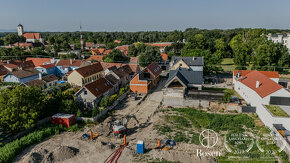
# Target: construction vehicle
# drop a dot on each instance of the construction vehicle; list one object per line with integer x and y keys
{"x": 120, "y": 128}
{"x": 92, "y": 135}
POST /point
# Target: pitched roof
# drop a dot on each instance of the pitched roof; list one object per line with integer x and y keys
{"x": 123, "y": 47}
{"x": 266, "y": 87}
{"x": 134, "y": 67}
{"x": 269, "y": 74}
{"x": 164, "y": 56}
{"x": 96, "y": 58}
{"x": 24, "y": 73}
{"x": 107, "y": 51}
{"x": 90, "y": 69}
{"x": 133, "y": 60}
{"x": 31, "y": 35}
{"x": 12, "y": 66}
{"x": 108, "y": 65}
{"x": 70, "y": 62}
{"x": 154, "y": 68}
{"x": 39, "y": 61}
{"x": 36, "y": 82}
{"x": 47, "y": 66}
{"x": 49, "y": 78}
{"x": 112, "y": 79}
{"x": 123, "y": 71}
{"x": 190, "y": 61}
{"x": 186, "y": 76}
{"x": 23, "y": 64}
{"x": 23, "y": 44}
{"x": 160, "y": 44}
{"x": 3, "y": 70}
{"x": 99, "y": 87}
{"x": 90, "y": 44}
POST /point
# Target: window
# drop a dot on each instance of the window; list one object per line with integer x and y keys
{"x": 86, "y": 92}
{"x": 180, "y": 65}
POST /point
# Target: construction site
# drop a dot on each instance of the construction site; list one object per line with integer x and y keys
{"x": 100, "y": 143}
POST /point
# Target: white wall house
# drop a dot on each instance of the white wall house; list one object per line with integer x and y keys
{"x": 256, "y": 88}
{"x": 280, "y": 38}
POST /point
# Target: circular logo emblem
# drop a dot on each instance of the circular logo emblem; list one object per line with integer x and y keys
{"x": 208, "y": 138}
{"x": 238, "y": 142}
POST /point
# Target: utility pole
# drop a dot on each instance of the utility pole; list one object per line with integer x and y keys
{"x": 81, "y": 35}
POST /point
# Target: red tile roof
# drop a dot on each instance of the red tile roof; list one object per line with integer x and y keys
{"x": 267, "y": 86}
{"x": 134, "y": 67}
{"x": 133, "y": 60}
{"x": 12, "y": 66}
{"x": 164, "y": 56}
{"x": 159, "y": 44}
{"x": 23, "y": 44}
{"x": 90, "y": 44}
{"x": 70, "y": 62}
{"x": 96, "y": 58}
{"x": 39, "y": 61}
{"x": 108, "y": 65}
{"x": 106, "y": 52}
{"x": 31, "y": 35}
{"x": 90, "y": 70}
{"x": 47, "y": 66}
{"x": 23, "y": 64}
{"x": 154, "y": 68}
{"x": 99, "y": 87}
{"x": 269, "y": 74}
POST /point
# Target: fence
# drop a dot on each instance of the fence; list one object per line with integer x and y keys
{"x": 105, "y": 111}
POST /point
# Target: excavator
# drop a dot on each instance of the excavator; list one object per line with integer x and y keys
{"x": 120, "y": 128}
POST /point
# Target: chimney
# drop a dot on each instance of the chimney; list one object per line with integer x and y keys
{"x": 40, "y": 76}
{"x": 70, "y": 61}
{"x": 8, "y": 61}
{"x": 257, "y": 84}
{"x": 193, "y": 58}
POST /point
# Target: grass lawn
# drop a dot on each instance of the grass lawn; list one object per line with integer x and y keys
{"x": 228, "y": 61}
{"x": 277, "y": 111}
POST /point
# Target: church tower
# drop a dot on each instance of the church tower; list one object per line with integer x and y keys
{"x": 20, "y": 30}
{"x": 81, "y": 39}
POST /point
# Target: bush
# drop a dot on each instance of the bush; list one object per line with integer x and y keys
{"x": 105, "y": 102}
{"x": 95, "y": 111}
{"x": 122, "y": 91}
{"x": 113, "y": 98}
{"x": 10, "y": 150}
{"x": 228, "y": 95}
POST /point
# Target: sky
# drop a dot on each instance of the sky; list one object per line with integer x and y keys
{"x": 143, "y": 15}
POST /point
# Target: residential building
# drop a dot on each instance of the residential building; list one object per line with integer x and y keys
{"x": 35, "y": 83}
{"x": 64, "y": 66}
{"x": 256, "y": 88}
{"x": 114, "y": 81}
{"x": 41, "y": 61}
{"x": 182, "y": 78}
{"x": 273, "y": 75}
{"x": 47, "y": 69}
{"x": 124, "y": 49}
{"x": 91, "y": 94}
{"x": 21, "y": 76}
{"x": 86, "y": 75}
{"x": 95, "y": 58}
{"x": 280, "y": 38}
{"x": 161, "y": 45}
{"x": 194, "y": 63}
{"x": 3, "y": 71}
{"x": 125, "y": 74}
{"x": 146, "y": 79}
{"x": 50, "y": 80}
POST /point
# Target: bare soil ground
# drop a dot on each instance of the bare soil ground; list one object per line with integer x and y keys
{"x": 70, "y": 147}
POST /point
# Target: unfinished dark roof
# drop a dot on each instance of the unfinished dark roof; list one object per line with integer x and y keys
{"x": 112, "y": 79}
{"x": 154, "y": 68}
{"x": 90, "y": 70}
{"x": 186, "y": 76}
{"x": 24, "y": 73}
{"x": 49, "y": 78}
{"x": 123, "y": 71}
{"x": 24, "y": 64}
{"x": 36, "y": 82}
{"x": 190, "y": 61}
{"x": 99, "y": 87}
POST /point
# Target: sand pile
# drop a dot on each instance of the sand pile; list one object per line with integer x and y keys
{"x": 58, "y": 155}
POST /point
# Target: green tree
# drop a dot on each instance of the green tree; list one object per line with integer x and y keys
{"x": 150, "y": 55}
{"x": 20, "y": 107}
{"x": 220, "y": 47}
{"x": 95, "y": 111}
{"x": 12, "y": 38}
{"x": 241, "y": 50}
{"x": 115, "y": 56}
{"x": 113, "y": 98}
{"x": 68, "y": 106}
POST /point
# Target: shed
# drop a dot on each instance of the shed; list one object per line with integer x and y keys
{"x": 65, "y": 120}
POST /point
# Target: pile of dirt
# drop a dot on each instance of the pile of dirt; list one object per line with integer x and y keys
{"x": 63, "y": 153}
{"x": 58, "y": 155}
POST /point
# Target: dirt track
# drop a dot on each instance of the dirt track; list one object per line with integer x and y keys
{"x": 97, "y": 151}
